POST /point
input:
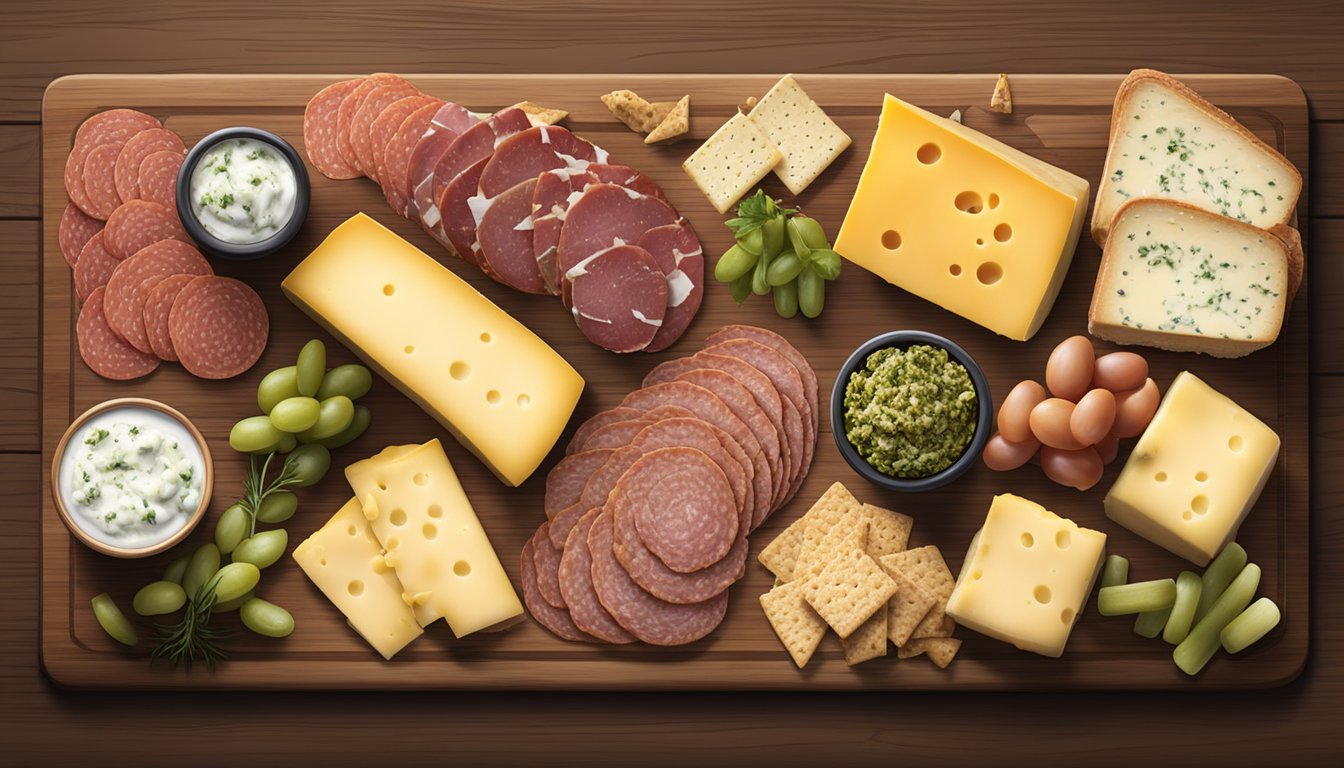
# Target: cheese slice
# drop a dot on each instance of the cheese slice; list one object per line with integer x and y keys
{"x": 491, "y": 382}
{"x": 345, "y": 561}
{"x": 1026, "y": 576}
{"x": 418, "y": 511}
{"x": 1176, "y": 277}
{"x": 1195, "y": 473}
{"x": 967, "y": 222}
{"x": 1167, "y": 141}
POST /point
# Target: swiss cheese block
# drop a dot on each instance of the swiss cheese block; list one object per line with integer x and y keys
{"x": 1195, "y": 473}
{"x": 1177, "y": 277}
{"x": 417, "y": 508}
{"x": 731, "y": 161}
{"x": 345, "y": 561}
{"x": 497, "y": 387}
{"x": 1167, "y": 141}
{"x": 1026, "y": 576}
{"x": 965, "y": 221}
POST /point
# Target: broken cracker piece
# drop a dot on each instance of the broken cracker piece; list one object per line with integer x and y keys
{"x": 1002, "y": 100}
{"x": 543, "y": 115}
{"x": 888, "y": 531}
{"x": 676, "y": 123}
{"x": 940, "y": 650}
{"x": 633, "y": 110}
{"x": 798, "y": 627}
{"x": 908, "y": 607}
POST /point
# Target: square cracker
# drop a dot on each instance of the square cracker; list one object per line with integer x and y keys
{"x": 780, "y": 556}
{"x": 907, "y": 607}
{"x": 925, "y": 567}
{"x": 732, "y": 161}
{"x": 941, "y": 650}
{"x": 799, "y": 627}
{"x": 830, "y": 521}
{"x": 849, "y": 590}
{"x": 888, "y": 531}
{"x": 807, "y": 137}
{"x": 869, "y": 641}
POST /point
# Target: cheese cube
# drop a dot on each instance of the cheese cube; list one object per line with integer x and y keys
{"x": 443, "y": 557}
{"x": 1195, "y": 473}
{"x": 1026, "y": 576}
{"x": 345, "y": 561}
{"x": 969, "y": 223}
{"x": 500, "y": 390}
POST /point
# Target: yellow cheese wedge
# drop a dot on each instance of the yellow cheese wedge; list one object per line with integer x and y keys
{"x": 1195, "y": 473}
{"x": 1026, "y": 576}
{"x": 965, "y": 221}
{"x": 434, "y": 541}
{"x": 345, "y": 561}
{"x": 491, "y": 382}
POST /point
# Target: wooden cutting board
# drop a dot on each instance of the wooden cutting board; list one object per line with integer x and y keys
{"x": 1061, "y": 119}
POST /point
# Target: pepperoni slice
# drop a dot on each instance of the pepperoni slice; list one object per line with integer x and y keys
{"x": 102, "y": 350}
{"x": 345, "y": 113}
{"x": 100, "y": 181}
{"x": 397, "y": 154}
{"x": 596, "y": 422}
{"x": 734, "y": 451}
{"x": 76, "y": 229}
{"x": 780, "y": 345}
{"x": 158, "y": 178}
{"x": 740, "y": 400}
{"x": 620, "y": 298}
{"x": 94, "y": 267}
{"x": 555, "y": 620}
{"x": 504, "y": 236}
{"x": 133, "y": 153}
{"x": 115, "y": 126}
{"x": 127, "y": 290}
{"x": 320, "y": 141}
{"x": 387, "y": 89}
{"x": 158, "y": 305}
{"x": 139, "y": 223}
{"x": 565, "y": 481}
{"x": 547, "y": 560}
{"x": 682, "y": 261}
{"x": 218, "y": 327}
{"x": 385, "y": 125}
{"x": 576, "y": 586}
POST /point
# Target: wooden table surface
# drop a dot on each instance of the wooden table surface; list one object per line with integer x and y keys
{"x": 39, "y": 722}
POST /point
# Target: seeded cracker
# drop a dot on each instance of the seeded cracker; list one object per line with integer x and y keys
{"x": 869, "y": 641}
{"x": 940, "y": 650}
{"x": 546, "y": 115}
{"x": 732, "y": 161}
{"x": 806, "y": 136}
{"x": 676, "y": 123}
{"x": 849, "y": 590}
{"x": 799, "y": 627}
{"x": 907, "y": 607}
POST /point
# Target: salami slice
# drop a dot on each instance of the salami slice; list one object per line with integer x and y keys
{"x": 139, "y": 223}
{"x": 386, "y": 123}
{"x": 94, "y": 267}
{"x": 657, "y": 579}
{"x": 780, "y": 345}
{"x": 620, "y": 297}
{"x": 389, "y": 89}
{"x": 653, "y": 621}
{"x": 555, "y": 620}
{"x": 468, "y": 151}
{"x": 565, "y": 481}
{"x": 158, "y": 178}
{"x": 564, "y": 522}
{"x": 742, "y": 403}
{"x": 683, "y": 507}
{"x": 320, "y": 140}
{"x": 76, "y": 229}
{"x": 397, "y": 155}
{"x": 451, "y": 121}
{"x": 158, "y": 305}
{"x": 576, "y": 586}
{"x": 680, "y": 258}
{"x": 345, "y": 114}
{"x": 127, "y": 290}
{"x": 595, "y": 492}
{"x": 690, "y": 432}
{"x": 457, "y": 226}
{"x": 618, "y": 434}
{"x": 603, "y": 215}
{"x": 100, "y": 180}
{"x": 547, "y": 560}
{"x": 114, "y": 126}
{"x": 756, "y": 501}
{"x": 596, "y": 422}
{"x": 102, "y": 350}
{"x": 218, "y": 327}
{"x": 134, "y": 151}
{"x": 531, "y": 152}
{"x": 504, "y": 236}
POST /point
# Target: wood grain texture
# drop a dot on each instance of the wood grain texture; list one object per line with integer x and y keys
{"x": 1062, "y": 120}
{"x": 19, "y": 257}
{"x": 18, "y": 171}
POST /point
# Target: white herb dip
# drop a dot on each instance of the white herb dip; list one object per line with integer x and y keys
{"x": 243, "y": 190}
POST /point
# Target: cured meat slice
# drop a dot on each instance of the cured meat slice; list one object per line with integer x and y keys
{"x": 596, "y": 422}
{"x": 564, "y": 522}
{"x": 754, "y": 500}
{"x": 620, "y": 297}
{"x": 218, "y": 327}
{"x": 595, "y": 492}
{"x": 94, "y": 267}
{"x": 683, "y": 507}
{"x": 457, "y": 227}
{"x": 345, "y": 115}
{"x": 385, "y": 92}
{"x": 397, "y": 154}
{"x": 158, "y": 178}
{"x": 783, "y": 347}
{"x": 504, "y": 237}
{"x": 139, "y": 223}
{"x": 451, "y": 121}
{"x": 625, "y": 176}
{"x": 576, "y": 586}
{"x": 657, "y": 579}
{"x": 555, "y": 620}
{"x": 127, "y": 290}
{"x": 690, "y": 432}
{"x": 75, "y": 231}
{"x": 741, "y": 402}
{"x": 618, "y": 434}
{"x": 385, "y": 125}
{"x": 100, "y": 180}
{"x": 603, "y": 216}
{"x": 651, "y": 620}
{"x": 449, "y": 218}
{"x": 102, "y": 350}
{"x": 143, "y": 144}
{"x": 320, "y": 134}
{"x": 114, "y": 126}
{"x": 677, "y": 251}
{"x": 547, "y": 560}
{"x": 565, "y": 481}
{"x": 158, "y": 305}
{"x": 529, "y": 153}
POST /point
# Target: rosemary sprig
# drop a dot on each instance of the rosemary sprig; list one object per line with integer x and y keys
{"x": 255, "y": 488}
{"x": 192, "y": 637}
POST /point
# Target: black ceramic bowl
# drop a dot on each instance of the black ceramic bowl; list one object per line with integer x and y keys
{"x": 216, "y": 246}
{"x": 983, "y": 421}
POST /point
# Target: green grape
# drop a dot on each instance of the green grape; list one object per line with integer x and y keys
{"x": 358, "y": 424}
{"x": 113, "y": 621}
{"x": 266, "y": 619}
{"x": 310, "y": 464}
{"x": 784, "y": 269}
{"x": 280, "y": 384}
{"x": 311, "y": 367}
{"x": 263, "y": 549}
{"x": 232, "y": 528}
{"x": 335, "y": 414}
{"x": 159, "y": 598}
{"x": 295, "y": 414}
{"x": 811, "y": 293}
{"x": 753, "y": 242}
{"x": 235, "y": 580}
{"x": 734, "y": 263}
{"x": 277, "y": 507}
{"x": 352, "y": 380}
{"x": 786, "y": 299}
{"x": 255, "y": 434}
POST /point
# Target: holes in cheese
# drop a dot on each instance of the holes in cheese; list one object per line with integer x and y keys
{"x": 435, "y": 511}
{"x": 462, "y": 568}
{"x": 524, "y": 400}
{"x": 1028, "y": 541}
{"x": 1236, "y": 443}
{"x": 429, "y": 531}
{"x": 969, "y": 202}
{"x": 1041, "y": 594}
{"x": 459, "y": 370}
{"x": 486, "y": 338}
{"x": 397, "y": 518}
{"x": 408, "y": 349}
{"x": 389, "y": 289}
{"x": 955, "y": 270}
{"x": 929, "y": 153}
{"x": 355, "y": 588}
{"x": 1066, "y": 617}
{"x": 493, "y": 397}
{"x": 1003, "y": 233}
{"x": 1063, "y": 539}
{"x": 989, "y": 273}
{"x": 891, "y": 239}
{"x": 420, "y": 478}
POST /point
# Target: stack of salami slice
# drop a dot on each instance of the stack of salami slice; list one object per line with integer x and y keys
{"x": 648, "y": 513}
{"x": 534, "y": 206}
{"x": 147, "y": 294}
